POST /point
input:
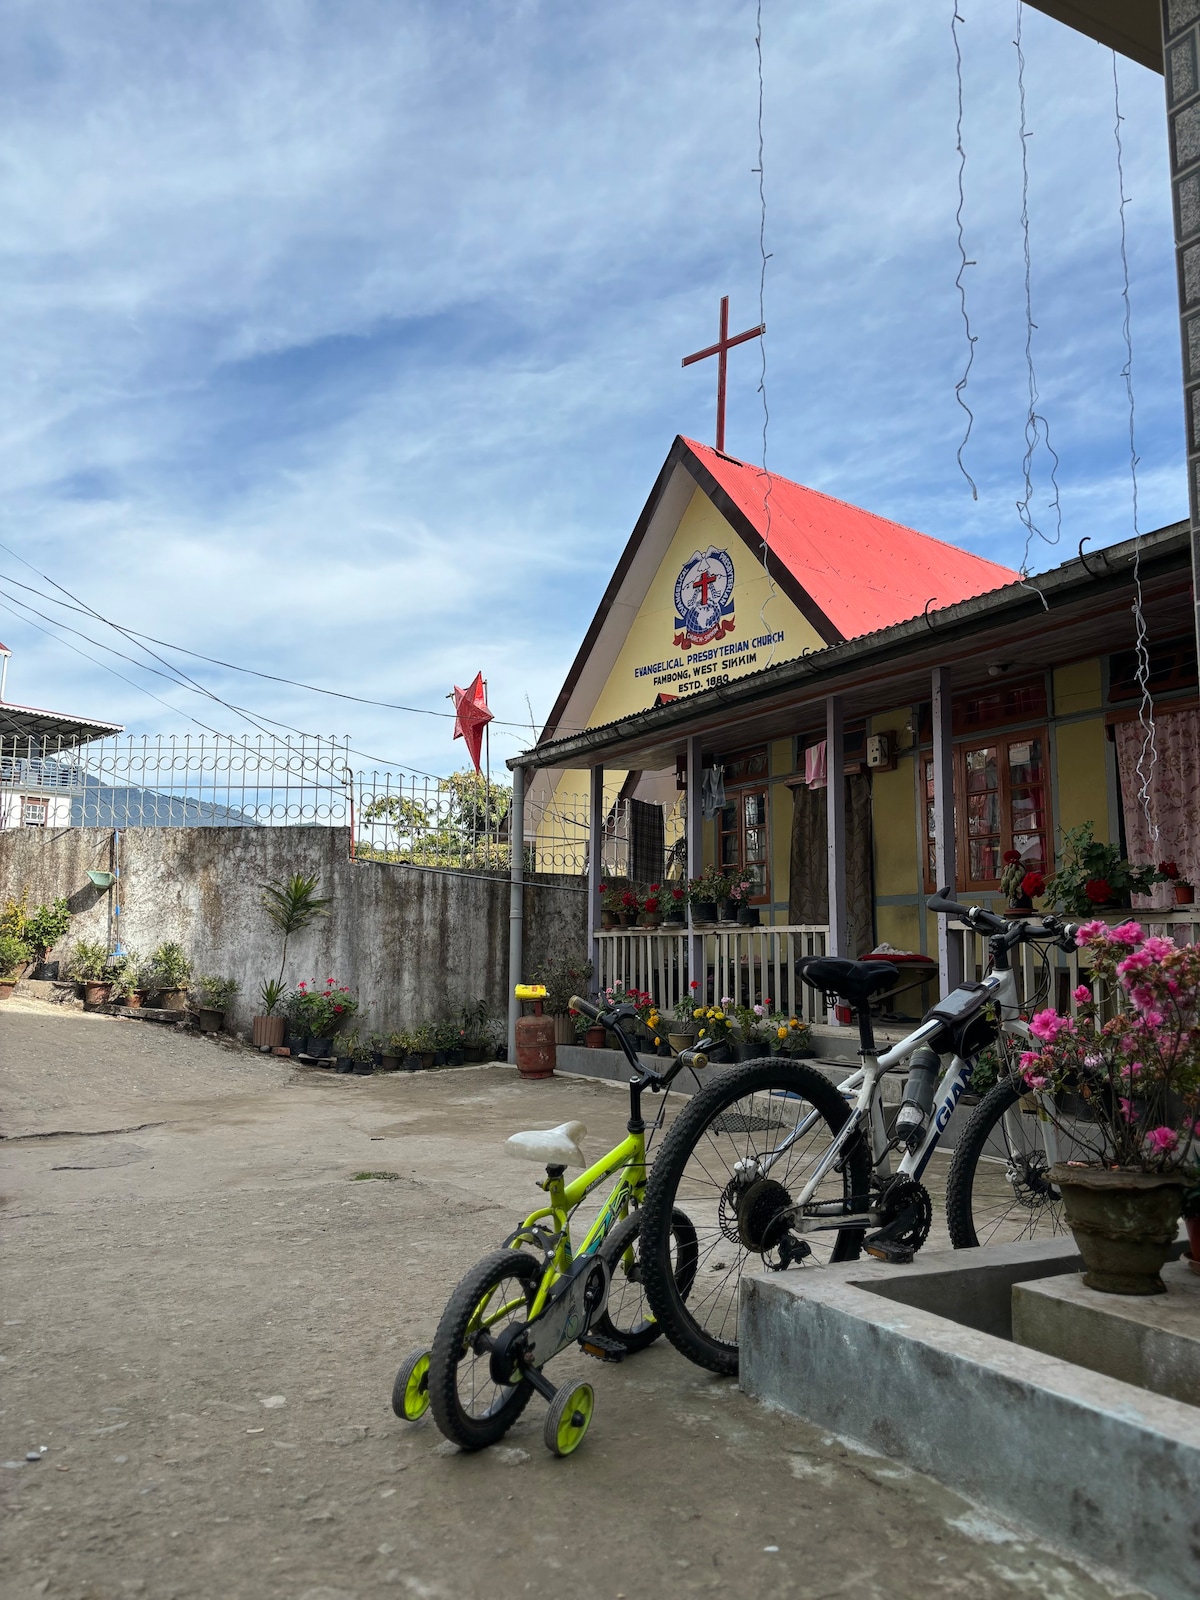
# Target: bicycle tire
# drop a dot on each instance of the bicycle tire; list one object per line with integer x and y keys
{"x": 621, "y": 1320}
{"x": 703, "y": 1116}
{"x": 1031, "y": 1208}
{"x": 467, "y": 1428}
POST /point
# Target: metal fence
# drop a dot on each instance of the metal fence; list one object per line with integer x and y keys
{"x": 223, "y": 781}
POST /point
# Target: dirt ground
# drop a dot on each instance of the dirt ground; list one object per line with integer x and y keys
{"x": 203, "y": 1312}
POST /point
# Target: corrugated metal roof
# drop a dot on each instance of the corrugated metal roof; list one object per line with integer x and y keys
{"x": 863, "y": 571}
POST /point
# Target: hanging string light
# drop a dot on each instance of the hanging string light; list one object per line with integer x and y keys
{"x": 960, "y": 281}
{"x": 1037, "y": 429}
{"x": 1148, "y": 753}
{"x": 764, "y": 257}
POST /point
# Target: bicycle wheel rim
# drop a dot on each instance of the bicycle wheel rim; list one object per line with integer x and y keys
{"x": 480, "y": 1397}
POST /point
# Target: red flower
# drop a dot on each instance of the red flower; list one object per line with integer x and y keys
{"x": 1033, "y": 884}
{"x": 677, "y": 894}
{"x": 1168, "y": 869}
{"x": 603, "y": 888}
{"x": 1098, "y": 890}
{"x": 655, "y": 887}
{"x": 1010, "y": 857}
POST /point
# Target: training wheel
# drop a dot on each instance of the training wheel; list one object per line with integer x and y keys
{"x": 568, "y": 1418}
{"x": 410, "y": 1392}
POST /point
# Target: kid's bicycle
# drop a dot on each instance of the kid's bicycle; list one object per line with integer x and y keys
{"x": 538, "y": 1294}
{"x": 773, "y": 1160}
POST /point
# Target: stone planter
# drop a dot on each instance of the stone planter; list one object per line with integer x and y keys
{"x": 268, "y": 1031}
{"x": 96, "y": 994}
{"x": 211, "y": 1021}
{"x": 1124, "y": 1223}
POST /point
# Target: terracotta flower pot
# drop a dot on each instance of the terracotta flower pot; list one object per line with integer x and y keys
{"x": 596, "y": 1037}
{"x": 96, "y": 994}
{"x": 134, "y": 999}
{"x": 7, "y": 985}
{"x": 1185, "y": 894}
{"x": 268, "y": 1031}
{"x": 1124, "y": 1223}
{"x": 172, "y": 999}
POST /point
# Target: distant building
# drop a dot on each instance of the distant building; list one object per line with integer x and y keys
{"x": 39, "y": 778}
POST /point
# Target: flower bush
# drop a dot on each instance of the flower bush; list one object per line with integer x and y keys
{"x": 1136, "y": 1070}
{"x": 1091, "y": 874}
{"x": 319, "y": 1011}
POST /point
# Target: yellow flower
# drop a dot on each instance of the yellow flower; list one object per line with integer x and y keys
{"x": 657, "y": 1042}
{"x": 697, "y": 1013}
{"x": 793, "y": 1023}
{"x": 781, "y": 1033}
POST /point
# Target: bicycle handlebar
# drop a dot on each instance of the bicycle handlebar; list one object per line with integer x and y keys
{"x": 584, "y": 1006}
{"x": 988, "y": 922}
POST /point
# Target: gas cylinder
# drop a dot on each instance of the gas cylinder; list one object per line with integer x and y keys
{"x": 535, "y": 1035}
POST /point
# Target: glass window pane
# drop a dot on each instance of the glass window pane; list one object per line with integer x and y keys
{"x": 756, "y": 808}
{"x": 1025, "y": 761}
{"x": 982, "y": 769}
{"x": 1031, "y": 848}
{"x": 757, "y": 875}
{"x": 984, "y": 859}
{"x": 983, "y": 813}
{"x": 729, "y": 849}
{"x": 756, "y": 844}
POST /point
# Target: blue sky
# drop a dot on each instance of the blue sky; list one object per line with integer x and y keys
{"x": 343, "y": 340}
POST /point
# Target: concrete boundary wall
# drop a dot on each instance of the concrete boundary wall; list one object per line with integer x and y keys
{"x": 411, "y": 942}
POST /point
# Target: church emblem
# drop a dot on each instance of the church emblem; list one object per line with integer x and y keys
{"x": 704, "y": 598}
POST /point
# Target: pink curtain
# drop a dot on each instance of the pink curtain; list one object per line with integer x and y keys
{"x": 1173, "y": 797}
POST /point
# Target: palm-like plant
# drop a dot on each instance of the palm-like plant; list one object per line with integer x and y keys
{"x": 292, "y": 904}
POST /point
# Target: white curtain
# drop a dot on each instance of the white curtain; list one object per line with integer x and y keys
{"x": 1172, "y": 799}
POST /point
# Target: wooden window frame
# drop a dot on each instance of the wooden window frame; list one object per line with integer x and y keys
{"x": 736, "y": 796}
{"x": 1002, "y": 738}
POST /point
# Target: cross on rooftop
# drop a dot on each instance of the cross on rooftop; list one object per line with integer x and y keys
{"x": 721, "y": 350}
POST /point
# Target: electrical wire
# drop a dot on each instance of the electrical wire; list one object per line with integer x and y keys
{"x": 963, "y": 263}
{"x": 135, "y": 635}
{"x": 1037, "y": 429}
{"x": 1146, "y": 705}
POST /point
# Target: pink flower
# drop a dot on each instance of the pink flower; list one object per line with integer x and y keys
{"x": 1158, "y": 948}
{"x": 1091, "y": 930}
{"x": 1082, "y": 995}
{"x": 1037, "y": 1081}
{"x": 1127, "y": 1110}
{"x": 1047, "y": 1025}
{"x": 1162, "y": 1140}
{"x": 1128, "y": 933}
{"x": 1029, "y": 1059}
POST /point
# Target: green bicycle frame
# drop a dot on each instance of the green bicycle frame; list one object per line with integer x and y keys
{"x": 629, "y": 1155}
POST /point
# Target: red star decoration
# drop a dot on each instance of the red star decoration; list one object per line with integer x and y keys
{"x": 472, "y": 716}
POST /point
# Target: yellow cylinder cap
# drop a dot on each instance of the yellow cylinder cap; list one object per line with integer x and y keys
{"x": 530, "y": 991}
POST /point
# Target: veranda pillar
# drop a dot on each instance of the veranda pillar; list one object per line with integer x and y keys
{"x": 516, "y": 903}
{"x": 945, "y": 855}
{"x": 835, "y": 826}
{"x": 595, "y": 860}
{"x": 695, "y": 861}
{"x": 1181, "y": 36}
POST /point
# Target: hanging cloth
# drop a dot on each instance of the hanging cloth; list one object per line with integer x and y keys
{"x": 712, "y": 791}
{"x": 816, "y": 766}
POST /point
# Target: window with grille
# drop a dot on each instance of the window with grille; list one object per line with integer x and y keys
{"x": 34, "y": 813}
{"x": 1001, "y": 789}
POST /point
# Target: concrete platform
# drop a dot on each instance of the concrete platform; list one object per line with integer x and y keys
{"x": 1152, "y": 1341}
{"x": 914, "y": 1362}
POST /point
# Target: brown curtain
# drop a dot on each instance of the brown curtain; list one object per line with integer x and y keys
{"x": 808, "y": 897}
{"x": 647, "y": 842}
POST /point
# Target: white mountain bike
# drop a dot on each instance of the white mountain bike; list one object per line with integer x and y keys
{"x": 771, "y": 1159}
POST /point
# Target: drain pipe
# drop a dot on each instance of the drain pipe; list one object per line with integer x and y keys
{"x": 516, "y": 903}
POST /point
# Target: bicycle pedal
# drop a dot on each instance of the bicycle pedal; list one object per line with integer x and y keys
{"x": 602, "y": 1349}
{"x": 898, "y": 1255}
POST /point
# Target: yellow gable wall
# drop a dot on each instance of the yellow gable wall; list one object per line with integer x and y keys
{"x": 765, "y": 620}
{"x": 767, "y": 628}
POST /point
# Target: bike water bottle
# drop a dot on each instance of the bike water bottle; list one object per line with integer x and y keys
{"x": 924, "y": 1068}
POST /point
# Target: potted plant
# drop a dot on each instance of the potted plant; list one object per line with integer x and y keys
{"x": 43, "y": 929}
{"x": 1168, "y": 872}
{"x": 1125, "y": 1093}
{"x": 610, "y": 905}
{"x": 744, "y": 914}
{"x": 1021, "y": 887}
{"x": 1191, "y": 1215}
{"x": 683, "y": 1034}
{"x": 359, "y": 1052}
{"x": 14, "y": 953}
{"x": 170, "y": 973}
{"x": 215, "y": 996}
{"x": 425, "y": 1045}
{"x": 474, "y": 1022}
{"x": 318, "y": 1012}
{"x": 89, "y": 965}
{"x": 675, "y": 905}
{"x": 561, "y": 979}
{"x": 631, "y": 908}
{"x": 1094, "y": 877}
{"x": 388, "y": 1054}
{"x": 795, "y": 1039}
{"x": 706, "y": 893}
{"x": 651, "y": 907}
{"x": 127, "y": 987}
{"x": 716, "y": 1024}
{"x": 269, "y": 1026}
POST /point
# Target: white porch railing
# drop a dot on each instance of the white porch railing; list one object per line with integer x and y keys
{"x": 1180, "y": 923}
{"x": 747, "y": 965}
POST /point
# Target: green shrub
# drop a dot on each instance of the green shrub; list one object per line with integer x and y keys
{"x": 14, "y": 953}
{"x": 169, "y": 967}
{"x": 88, "y": 962}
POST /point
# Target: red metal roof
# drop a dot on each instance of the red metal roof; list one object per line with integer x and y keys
{"x": 861, "y": 570}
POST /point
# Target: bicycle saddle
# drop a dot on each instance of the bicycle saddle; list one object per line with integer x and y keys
{"x": 550, "y": 1147}
{"x": 852, "y": 981}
